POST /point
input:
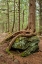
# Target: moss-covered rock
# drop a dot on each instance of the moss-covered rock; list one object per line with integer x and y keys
{"x": 21, "y": 43}
{"x": 29, "y": 50}
{"x": 28, "y": 44}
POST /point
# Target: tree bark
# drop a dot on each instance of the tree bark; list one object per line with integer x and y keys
{"x": 32, "y": 7}
{"x": 6, "y": 27}
{"x": 19, "y": 16}
{"x": 40, "y": 4}
{"x": 14, "y": 17}
{"x": 8, "y": 14}
{"x": 23, "y": 19}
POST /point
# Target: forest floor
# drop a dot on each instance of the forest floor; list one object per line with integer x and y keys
{"x": 5, "y": 58}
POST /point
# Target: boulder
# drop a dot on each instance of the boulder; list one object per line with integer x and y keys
{"x": 28, "y": 44}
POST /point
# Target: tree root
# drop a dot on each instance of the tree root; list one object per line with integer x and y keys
{"x": 18, "y": 34}
{"x": 15, "y": 34}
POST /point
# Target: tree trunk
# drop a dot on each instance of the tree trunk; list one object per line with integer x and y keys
{"x": 2, "y": 27}
{"x": 23, "y": 19}
{"x": 32, "y": 7}
{"x": 14, "y": 17}
{"x": 6, "y": 27}
{"x": 19, "y": 16}
{"x": 8, "y": 14}
{"x": 40, "y": 4}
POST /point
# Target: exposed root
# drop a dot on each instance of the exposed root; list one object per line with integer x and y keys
{"x": 15, "y": 34}
{"x": 24, "y": 34}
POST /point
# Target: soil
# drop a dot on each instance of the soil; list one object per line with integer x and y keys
{"x": 5, "y": 58}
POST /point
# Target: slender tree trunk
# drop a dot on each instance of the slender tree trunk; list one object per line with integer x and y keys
{"x": 19, "y": 16}
{"x": 32, "y": 7}
{"x": 3, "y": 27}
{"x": 8, "y": 14}
{"x": 23, "y": 19}
{"x": 14, "y": 17}
{"x": 40, "y": 4}
{"x": 6, "y": 27}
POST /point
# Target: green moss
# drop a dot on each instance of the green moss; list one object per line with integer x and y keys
{"x": 29, "y": 50}
{"x": 21, "y": 43}
{"x": 33, "y": 38}
{"x": 24, "y": 54}
{"x": 28, "y": 44}
{"x": 7, "y": 50}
